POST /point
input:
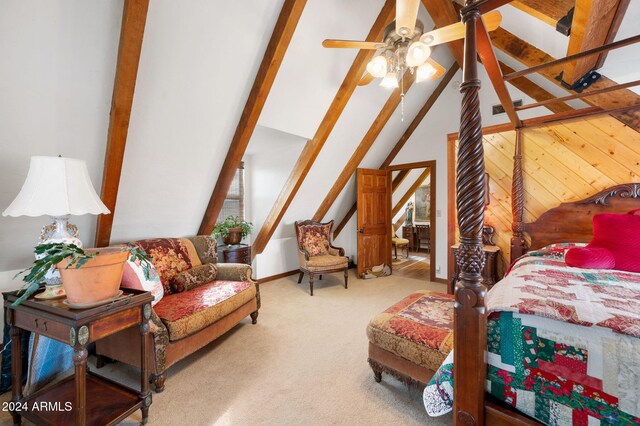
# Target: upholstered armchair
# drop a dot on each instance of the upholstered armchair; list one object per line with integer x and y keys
{"x": 398, "y": 242}
{"x": 316, "y": 255}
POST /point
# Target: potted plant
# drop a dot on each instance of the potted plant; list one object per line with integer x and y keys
{"x": 232, "y": 230}
{"x": 87, "y": 276}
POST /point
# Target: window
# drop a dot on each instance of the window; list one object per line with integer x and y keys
{"x": 234, "y": 203}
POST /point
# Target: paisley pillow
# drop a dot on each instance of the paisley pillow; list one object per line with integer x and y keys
{"x": 194, "y": 277}
{"x": 315, "y": 243}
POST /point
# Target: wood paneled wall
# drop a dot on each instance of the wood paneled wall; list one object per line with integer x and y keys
{"x": 562, "y": 162}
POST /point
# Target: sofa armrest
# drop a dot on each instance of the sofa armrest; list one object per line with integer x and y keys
{"x": 234, "y": 272}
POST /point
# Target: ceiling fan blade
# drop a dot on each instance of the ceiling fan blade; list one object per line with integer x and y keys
{"x": 352, "y": 44}
{"x": 439, "y": 69}
{"x": 455, "y": 31}
{"x": 366, "y": 79}
{"x": 406, "y": 15}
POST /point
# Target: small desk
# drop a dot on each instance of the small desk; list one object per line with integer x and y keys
{"x": 411, "y": 233}
{"x": 490, "y": 271}
{"x": 239, "y": 253}
{"x": 109, "y": 402}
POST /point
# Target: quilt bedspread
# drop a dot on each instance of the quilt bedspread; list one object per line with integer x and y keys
{"x": 562, "y": 343}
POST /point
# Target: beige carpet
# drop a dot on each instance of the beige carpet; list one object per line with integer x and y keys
{"x": 304, "y": 363}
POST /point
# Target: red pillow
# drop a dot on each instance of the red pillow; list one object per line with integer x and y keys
{"x": 590, "y": 258}
{"x": 620, "y": 234}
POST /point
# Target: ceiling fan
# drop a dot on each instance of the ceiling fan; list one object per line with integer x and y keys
{"x": 406, "y": 46}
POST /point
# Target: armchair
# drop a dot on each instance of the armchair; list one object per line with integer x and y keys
{"x": 316, "y": 255}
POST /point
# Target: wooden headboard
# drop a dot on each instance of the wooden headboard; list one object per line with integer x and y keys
{"x": 572, "y": 222}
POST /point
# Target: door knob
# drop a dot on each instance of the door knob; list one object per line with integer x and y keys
{"x": 361, "y": 231}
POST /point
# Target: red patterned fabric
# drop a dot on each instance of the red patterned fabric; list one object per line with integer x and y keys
{"x": 418, "y": 328}
{"x": 620, "y": 234}
{"x": 189, "y": 312}
{"x": 180, "y": 305}
{"x": 590, "y": 258}
{"x": 170, "y": 256}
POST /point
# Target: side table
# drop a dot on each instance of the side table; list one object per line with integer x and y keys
{"x": 239, "y": 253}
{"x": 85, "y": 398}
{"x": 490, "y": 271}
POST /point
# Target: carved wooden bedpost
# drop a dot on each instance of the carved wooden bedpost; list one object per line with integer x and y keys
{"x": 469, "y": 320}
{"x": 517, "y": 201}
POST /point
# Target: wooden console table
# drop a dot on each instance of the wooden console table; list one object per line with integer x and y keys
{"x": 239, "y": 253}
{"x": 86, "y": 398}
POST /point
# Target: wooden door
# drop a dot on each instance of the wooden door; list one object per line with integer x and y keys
{"x": 374, "y": 218}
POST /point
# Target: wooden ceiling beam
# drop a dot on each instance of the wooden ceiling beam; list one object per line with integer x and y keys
{"x": 490, "y": 62}
{"x": 536, "y": 92}
{"x": 134, "y": 18}
{"x": 363, "y": 148}
{"x": 552, "y": 63}
{"x": 592, "y": 22}
{"x": 531, "y": 56}
{"x": 271, "y": 61}
{"x": 397, "y": 181}
{"x": 549, "y": 103}
{"x": 548, "y": 11}
{"x": 405, "y": 136}
{"x": 412, "y": 189}
{"x": 613, "y": 30}
{"x": 313, "y": 147}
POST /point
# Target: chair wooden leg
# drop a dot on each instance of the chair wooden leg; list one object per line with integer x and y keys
{"x": 311, "y": 283}
{"x": 346, "y": 278}
{"x": 407, "y": 247}
{"x": 300, "y": 277}
{"x": 395, "y": 250}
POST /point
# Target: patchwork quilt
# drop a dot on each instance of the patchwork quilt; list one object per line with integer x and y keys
{"x": 563, "y": 344}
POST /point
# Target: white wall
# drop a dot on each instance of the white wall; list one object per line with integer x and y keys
{"x": 269, "y": 160}
{"x": 56, "y": 79}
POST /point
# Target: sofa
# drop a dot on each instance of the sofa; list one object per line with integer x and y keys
{"x": 196, "y": 300}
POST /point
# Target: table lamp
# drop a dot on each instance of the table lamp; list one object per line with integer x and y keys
{"x": 56, "y": 187}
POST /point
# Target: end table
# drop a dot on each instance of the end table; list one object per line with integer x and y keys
{"x": 86, "y": 398}
{"x": 238, "y": 253}
{"x": 490, "y": 271}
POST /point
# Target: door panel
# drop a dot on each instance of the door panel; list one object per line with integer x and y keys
{"x": 374, "y": 218}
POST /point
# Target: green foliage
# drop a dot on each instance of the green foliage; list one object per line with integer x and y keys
{"x": 222, "y": 228}
{"x": 49, "y": 255}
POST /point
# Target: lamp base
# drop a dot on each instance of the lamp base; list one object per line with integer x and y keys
{"x": 51, "y": 292}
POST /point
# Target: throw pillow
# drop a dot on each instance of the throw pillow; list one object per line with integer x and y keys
{"x": 170, "y": 257}
{"x": 194, "y": 277}
{"x": 134, "y": 277}
{"x": 590, "y": 258}
{"x": 620, "y": 234}
{"x": 315, "y": 243}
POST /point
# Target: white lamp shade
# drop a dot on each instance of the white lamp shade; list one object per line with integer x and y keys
{"x": 417, "y": 54}
{"x": 56, "y": 186}
{"x": 390, "y": 81}
{"x": 377, "y": 67}
{"x": 425, "y": 72}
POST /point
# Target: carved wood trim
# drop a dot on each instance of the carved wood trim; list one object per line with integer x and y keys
{"x": 627, "y": 190}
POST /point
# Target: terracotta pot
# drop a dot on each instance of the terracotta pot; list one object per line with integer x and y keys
{"x": 234, "y": 237}
{"x": 97, "y": 280}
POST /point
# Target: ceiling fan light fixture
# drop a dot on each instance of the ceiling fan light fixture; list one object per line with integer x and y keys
{"x": 425, "y": 72}
{"x": 417, "y": 54}
{"x": 377, "y": 67}
{"x": 390, "y": 81}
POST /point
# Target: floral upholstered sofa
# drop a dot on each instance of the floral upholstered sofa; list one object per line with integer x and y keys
{"x": 196, "y": 300}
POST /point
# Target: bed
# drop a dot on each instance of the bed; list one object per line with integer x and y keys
{"x": 570, "y": 222}
{"x": 562, "y": 343}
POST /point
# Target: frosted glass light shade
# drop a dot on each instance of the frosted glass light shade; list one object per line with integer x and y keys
{"x": 377, "y": 67}
{"x": 425, "y": 72}
{"x": 56, "y": 186}
{"x": 417, "y": 54}
{"x": 390, "y": 81}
